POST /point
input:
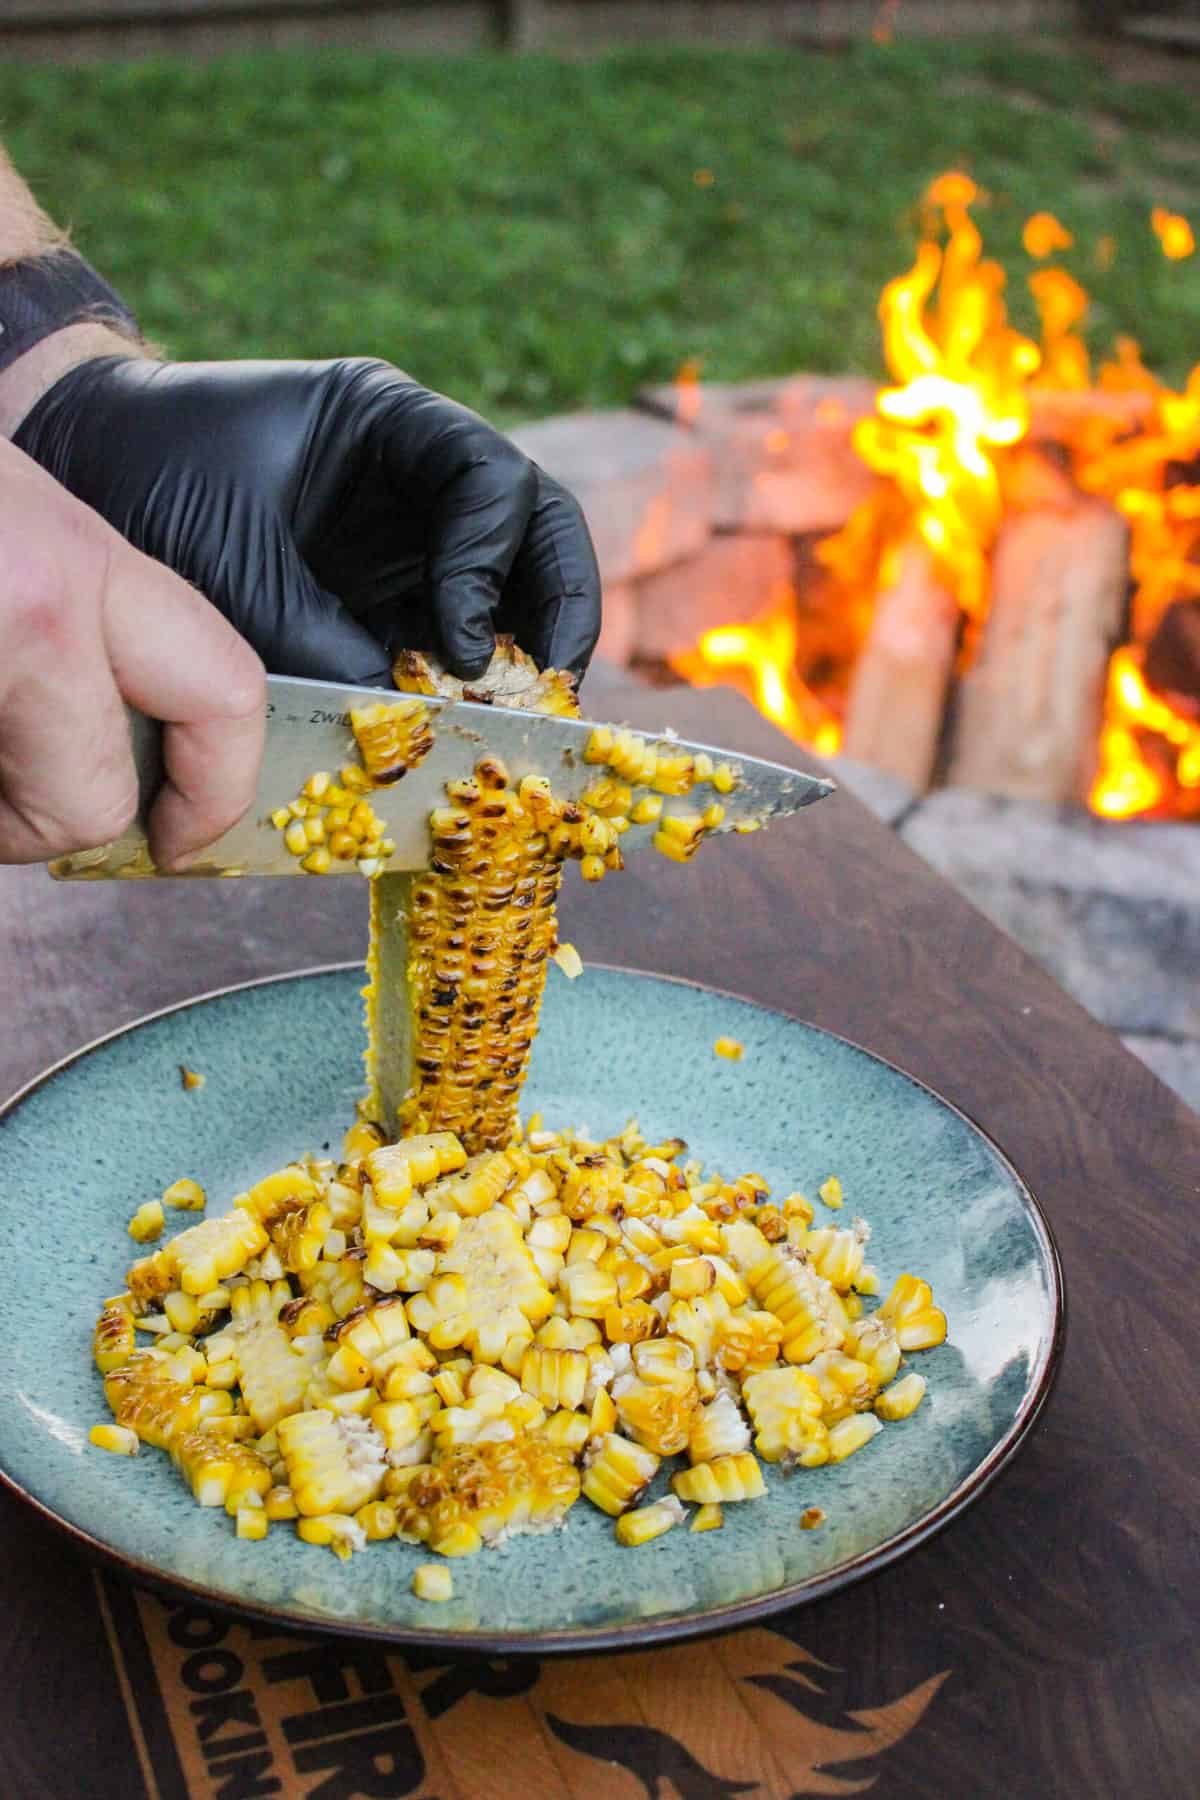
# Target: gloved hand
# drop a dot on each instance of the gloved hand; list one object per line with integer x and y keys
{"x": 334, "y": 512}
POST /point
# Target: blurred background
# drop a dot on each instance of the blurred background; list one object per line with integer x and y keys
{"x": 540, "y": 206}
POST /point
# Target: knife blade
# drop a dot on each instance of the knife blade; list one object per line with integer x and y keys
{"x": 308, "y": 728}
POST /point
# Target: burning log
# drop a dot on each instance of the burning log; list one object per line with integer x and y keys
{"x": 897, "y": 694}
{"x": 1029, "y": 710}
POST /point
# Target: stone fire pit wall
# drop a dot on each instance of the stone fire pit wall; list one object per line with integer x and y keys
{"x": 696, "y": 523}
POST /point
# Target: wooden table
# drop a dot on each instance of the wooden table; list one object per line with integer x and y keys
{"x": 1044, "y": 1645}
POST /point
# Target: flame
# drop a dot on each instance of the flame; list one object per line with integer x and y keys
{"x": 961, "y": 401}
{"x": 762, "y": 656}
{"x": 1044, "y": 234}
{"x": 943, "y": 438}
{"x": 1173, "y": 233}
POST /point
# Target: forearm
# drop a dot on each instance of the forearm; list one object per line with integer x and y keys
{"x": 26, "y": 231}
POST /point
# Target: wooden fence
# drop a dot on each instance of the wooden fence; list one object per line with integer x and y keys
{"x": 75, "y": 30}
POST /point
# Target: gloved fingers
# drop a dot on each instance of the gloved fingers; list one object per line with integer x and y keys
{"x": 476, "y": 527}
{"x": 297, "y": 626}
{"x": 176, "y": 659}
{"x": 553, "y": 594}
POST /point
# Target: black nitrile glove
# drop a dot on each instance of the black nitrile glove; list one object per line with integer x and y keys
{"x": 334, "y": 512}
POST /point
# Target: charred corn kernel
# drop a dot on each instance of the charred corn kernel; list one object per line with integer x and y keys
{"x": 646, "y": 810}
{"x": 279, "y": 1503}
{"x": 317, "y": 785}
{"x": 556, "y": 1378}
{"x": 658, "y": 1417}
{"x": 440, "y": 1232}
{"x": 317, "y": 862}
{"x": 281, "y": 818}
{"x": 603, "y": 1418}
{"x": 646, "y": 1523}
{"x": 707, "y": 1518}
{"x": 717, "y": 1430}
{"x": 901, "y": 1400}
{"x": 726, "y": 1479}
{"x": 811, "y": 1518}
{"x": 592, "y": 868}
{"x": 712, "y": 816}
{"x": 314, "y": 830}
{"x": 666, "y": 1363}
{"x": 334, "y": 1464}
{"x": 296, "y": 838}
{"x": 730, "y": 1048}
{"x": 477, "y": 1490}
{"x": 599, "y": 746}
{"x": 433, "y": 1582}
{"x": 617, "y": 1473}
{"x": 797, "y": 1207}
{"x": 342, "y": 845}
{"x": 360, "y": 1140}
{"x": 220, "y": 1473}
{"x": 873, "y": 1342}
{"x": 589, "y": 1290}
{"x": 208, "y": 1253}
{"x": 837, "y": 1256}
{"x": 185, "y": 1195}
{"x": 377, "y": 1520}
{"x": 252, "y": 1523}
{"x": 631, "y": 1323}
{"x": 918, "y": 1323}
{"x": 850, "y": 1434}
{"x": 831, "y": 1193}
{"x": 692, "y": 1275}
{"x": 118, "y": 1439}
{"x": 568, "y": 1431}
{"x": 569, "y": 961}
{"x": 395, "y": 1169}
{"x": 723, "y": 779}
{"x": 334, "y": 1531}
{"x": 147, "y": 1222}
{"x": 867, "y": 1281}
{"x": 114, "y": 1340}
{"x": 392, "y": 737}
{"x": 785, "y": 1407}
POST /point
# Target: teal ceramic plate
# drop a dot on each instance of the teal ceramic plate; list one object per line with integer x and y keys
{"x": 84, "y": 1144}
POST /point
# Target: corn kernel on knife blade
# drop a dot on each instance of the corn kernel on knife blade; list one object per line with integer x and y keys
{"x": 308, "y": 728}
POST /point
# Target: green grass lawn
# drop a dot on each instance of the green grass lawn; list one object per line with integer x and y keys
{"x": 531, "y": 235}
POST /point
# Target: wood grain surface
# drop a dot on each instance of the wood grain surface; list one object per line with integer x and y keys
{"x": 1044, "y": 1645}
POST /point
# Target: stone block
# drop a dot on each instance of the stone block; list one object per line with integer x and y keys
{"x": 1111, "y": 911}
{"x": 646, "y": 486}
{"x": 782, "y": 449}
{"x": 729, "y": 581}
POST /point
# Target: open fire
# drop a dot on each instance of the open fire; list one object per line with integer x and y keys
{"x": 960, "y": 448}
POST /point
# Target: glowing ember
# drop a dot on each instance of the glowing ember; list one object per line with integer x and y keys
{"x": 1044, "y": 234}
{"x": 1173, "y": 233}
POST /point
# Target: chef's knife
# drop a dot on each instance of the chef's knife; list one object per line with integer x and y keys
{"x": 308, "y": 728}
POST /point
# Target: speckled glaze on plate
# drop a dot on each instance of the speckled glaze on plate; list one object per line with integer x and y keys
{"x": 111, "y": 1126}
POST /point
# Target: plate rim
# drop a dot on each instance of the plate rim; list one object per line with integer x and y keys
{"x": 672, "y": 1628}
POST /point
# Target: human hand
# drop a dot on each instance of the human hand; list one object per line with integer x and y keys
{"x": 88, "y": 623}
{"x": 334, "y": 512}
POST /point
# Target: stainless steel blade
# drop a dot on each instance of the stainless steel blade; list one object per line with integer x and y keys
{"x": 308, "y": 728}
